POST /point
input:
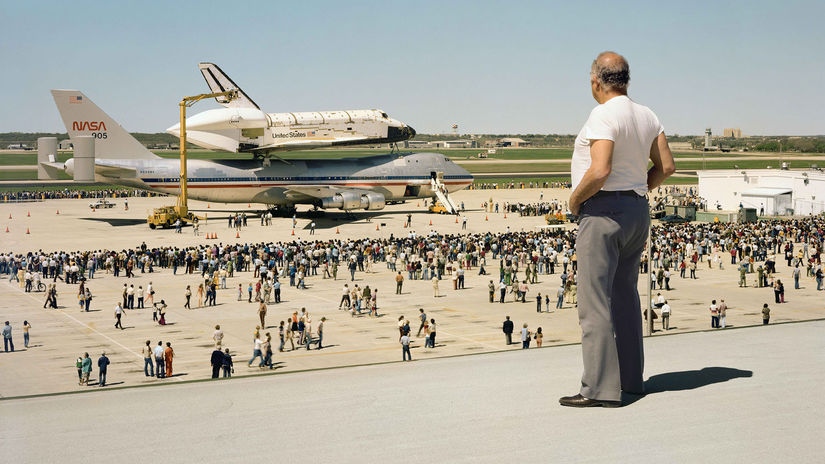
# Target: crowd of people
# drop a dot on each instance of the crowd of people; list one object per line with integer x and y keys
{"x": 518, "y": 185}
{"x": 522, "y": 257}
{"x": 38, "y": 195}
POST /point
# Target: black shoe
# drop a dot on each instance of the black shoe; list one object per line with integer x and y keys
{"x": 578, "y": 401}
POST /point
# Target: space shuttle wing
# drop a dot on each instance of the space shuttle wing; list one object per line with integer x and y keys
{"x": 306, "y": 144}
{"x": 118, "y": 172}
{"x": 297, "y": 192}
{"x": 53, "y": 170}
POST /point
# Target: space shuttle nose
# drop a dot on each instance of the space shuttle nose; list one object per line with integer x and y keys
{"x": 410, "y": 132}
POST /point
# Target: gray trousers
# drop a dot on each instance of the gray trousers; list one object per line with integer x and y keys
{"x": 611, "y": 238}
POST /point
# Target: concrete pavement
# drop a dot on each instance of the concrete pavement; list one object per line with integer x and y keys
{"x": 745, "y": 395}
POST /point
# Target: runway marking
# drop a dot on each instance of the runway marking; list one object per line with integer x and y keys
{"x": 86, "y": 325}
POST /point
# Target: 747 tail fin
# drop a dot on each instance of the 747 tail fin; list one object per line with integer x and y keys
{"x": 82, "y": 117}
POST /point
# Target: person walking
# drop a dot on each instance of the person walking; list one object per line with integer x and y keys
{"x": 118, "y": 314}
{"x": 405, "y": 348}
{"x": 148, "y": 368}
{"x": 7, "y": 338}
{"x": 610, "y": 176}
{"x": 256, "y": 352}
{"x": 102, "y": 367}
{"x": 168, "y": 354}
{"x": 266, "y": 348}
{"x": 766, "y": 314}
{"x": 432, "y": 333}
{"x": 665, "y": 316}
{"x": 422, "y": 316}
{"x": 538, "y": 302}
{"x": 507, "y": 328}
{"x": 159, "y": 361}
{"x": 321, "y": 333}
{"x": 188, "y": 295}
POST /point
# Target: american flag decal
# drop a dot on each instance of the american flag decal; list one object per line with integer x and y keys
{"x": 310, "y": 133}
{"x": 76, "y": 99}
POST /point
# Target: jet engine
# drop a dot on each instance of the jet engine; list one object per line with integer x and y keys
{"x": 347, "y": 201}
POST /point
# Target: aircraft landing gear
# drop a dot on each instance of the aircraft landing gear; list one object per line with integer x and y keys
{"x": 282, "y": 211}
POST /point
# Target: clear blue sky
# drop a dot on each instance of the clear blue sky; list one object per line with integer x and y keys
{"x": 491, "y": 67}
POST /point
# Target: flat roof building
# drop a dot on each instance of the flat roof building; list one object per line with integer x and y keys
{"x": 773, "y": 192}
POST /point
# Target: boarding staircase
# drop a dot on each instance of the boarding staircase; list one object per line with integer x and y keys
{"x": 440, "y": 191}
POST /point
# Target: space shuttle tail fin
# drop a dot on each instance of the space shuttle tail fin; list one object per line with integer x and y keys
{"x": 82, "y": 117}
{"x": 218, "y": 81}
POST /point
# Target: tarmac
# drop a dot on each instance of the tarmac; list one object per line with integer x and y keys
{"x": 745, "y": 395}
{"x": 467, "y": 322}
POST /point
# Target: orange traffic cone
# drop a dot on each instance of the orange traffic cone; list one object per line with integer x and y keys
{"x": 93, "y": 209}
{"x": 9, "y": 215}
{"x": 376, "y": 227}
{"x": 215, "y": 236}
{"x": 27, "y": 231}
{"x": 456, "y": 219}
{"x": 485, "y": 217}
{"x": 237, "y": 235}
{"x": 28, "y": 214}
{"x": 336, "y": 231}
{"x": 58, "y": 211}
{"x": 207, "y": 206}
{"x": 293, "y": 231}
{"x": 7, "y": 229}
{"x": 505, "y": 215}
{"x": 249, "y": 205}
{"x": 431, "y": 222}
{"x": 417, "y": 203}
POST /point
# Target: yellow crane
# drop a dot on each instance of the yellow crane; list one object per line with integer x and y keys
{"x": 166, "y": 216}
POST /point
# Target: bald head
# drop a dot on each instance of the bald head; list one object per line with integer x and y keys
{"x": 611, "y": 71}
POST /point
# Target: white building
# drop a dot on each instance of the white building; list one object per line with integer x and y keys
{"x": 779, "y": 192}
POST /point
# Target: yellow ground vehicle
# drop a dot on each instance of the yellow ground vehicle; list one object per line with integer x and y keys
{"x": 167, "y": 216}
{"x": 438, "y": 208}
{"x": 555, "y": 219}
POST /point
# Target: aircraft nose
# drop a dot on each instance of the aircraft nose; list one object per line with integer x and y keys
{"x": 409, "y": 131}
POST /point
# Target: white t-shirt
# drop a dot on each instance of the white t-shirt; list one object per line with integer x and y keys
{"x": 633, "y": 128}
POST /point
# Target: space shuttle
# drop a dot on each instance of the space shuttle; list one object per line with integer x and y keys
{"x": 242, "y": 127}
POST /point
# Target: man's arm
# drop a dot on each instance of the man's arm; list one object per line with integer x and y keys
{"x": 601, "y": 156}
{"x": 663, "y": 164}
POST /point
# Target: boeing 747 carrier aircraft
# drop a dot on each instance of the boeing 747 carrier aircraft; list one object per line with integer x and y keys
{"x": 348, "y": 183}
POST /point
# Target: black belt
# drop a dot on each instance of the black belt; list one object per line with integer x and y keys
{"x": 616, "y": 193}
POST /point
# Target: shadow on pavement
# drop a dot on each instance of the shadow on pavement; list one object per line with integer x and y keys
{"x": 690, "y": 380}
{"x": 687, "y": 380}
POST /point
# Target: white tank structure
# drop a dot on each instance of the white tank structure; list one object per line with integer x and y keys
{"x": 82, "y": 166}
{"x": 241, "y": 126}
{"x": 46, "y": 153}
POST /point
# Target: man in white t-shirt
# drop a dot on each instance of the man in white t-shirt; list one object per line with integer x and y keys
{"x": 610, "y": 178}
